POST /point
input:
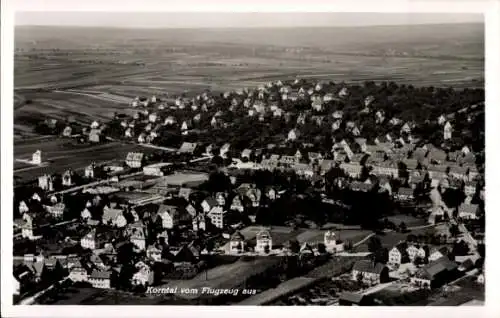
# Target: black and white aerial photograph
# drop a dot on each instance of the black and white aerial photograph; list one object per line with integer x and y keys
{"x": 239, "y": 158}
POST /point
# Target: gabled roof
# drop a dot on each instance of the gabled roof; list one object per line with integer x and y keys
{"x": 96, "y": 274}
{"x": 187, "y": 147}
{"x": 134, "y": 156}
{"x": 367, "y": 266}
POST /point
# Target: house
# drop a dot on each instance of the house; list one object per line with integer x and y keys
{"x": 159, "y": 169}
{"x": 23, "y": 207}
{"x": 438, "y": 253}
{"x": 208, "y": 204}
{"x": 113, "y": 216}
{"x": 237, "y": 204}
{"x": 77, "y": 273}
{"x": 292, "y": 135}
{"x": 264, "y": 242}
{"x": 153, "y": 117}
{"x": 95, "y": 135}
{"x": 435, "y": 274}
{"x": 138, "y": 237}
{"x": 170, "y": 120}
{"x": 184, "y": 193}
{"x": 441, "y": 120}
{"x": 89, "y": 240}
{"x": 398, "y": 255}
{"x": 237, "y": 243}
{"x": 468, "y": 211}
{"x": 45, "y": 182}
{"x": 27, "y": 227}
{"x": 67, "y": 131}
{"x": 144, "y": 276}
{"x": 447, "y": 130}
{"x": 170, "y": 216}
{"x": 199, "y": 222}
{"x": 187, "y": 147}
{"x": 56, "y": 210}
{"x": 100, "y": 279}
{"x": 246, "y": 153}
{"x": 370, "y": 272}
{"x": 134, "y": 159}
{"x": 224, "y": 150}
{"x": 90, "y": 171}
{"x": 216, "y": 216}
{"x": 470, "y": 188}
{"x": 220, "y": 197}
{"x": 331, "y": 243}
{"x": 154, "y": 253}
{"x": 404, "y": 194}
{"x": 414, "y": 252}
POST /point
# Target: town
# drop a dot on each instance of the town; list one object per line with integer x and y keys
{"x": 305, "y": 191}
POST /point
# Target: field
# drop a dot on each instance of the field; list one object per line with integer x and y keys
{"x": 407, "y": 219}
{"x": 62, "y": 154}
{"x": 68, "y": 74}
{"x": 229, "y": 276}
{"x": 390, "y": 239}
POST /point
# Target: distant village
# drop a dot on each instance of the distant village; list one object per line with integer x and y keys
{"x": 279, "y": 171}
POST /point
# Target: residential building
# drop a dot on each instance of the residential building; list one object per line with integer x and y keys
{"x": 398, "y": 255}
{"x": 56, "y": 210}
{"x": 158, "y": 169}
{"x": 447, "y": 130}
{"x": 170, "y": 216}
{"x": 77, "y": 273}
{"x": 45, "y": 183}
{"x": 264, "y": 242}
{"x": 237, "y": 243}
{"x": 370, "y": 272}
{"x": 415, "y": 251}
{"x": 89, "y": 240}
{"x": 113, "y": 216}
{"x": 100, "y": 279}
{"x": 36, "y": 158}
{"x": 144, "y": 276}
{"x": 134, "y": 159}
{"x": 435, "y": 274}
{"x": 187, "y": 147}
{"x": 216, "y": 216}
{"x": 468, "y": 211}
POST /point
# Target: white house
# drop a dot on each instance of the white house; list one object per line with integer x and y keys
{"x": 23, "y": 208}
{"x": 169, "y": 216}
{"x": 414, "y": 252}
{"x": 237, "y": 243}
{"x": 77, "y": 273}
{"x": 144, "y": 276}
{"x": 100, "y": 279}
{"x": 447, "y": 130}
{"x": 216, "y": 216}
{"x": 331, "y": 244}
{"x": 264, "y": 242}
{"x": 36, "y": 159}
{"x": 398, "y": 255}
{"x": 85, "y": 215}
{"x": 45, "y": 183}
{"x": 89, "y": 240}
{"x": 292, "y": 135}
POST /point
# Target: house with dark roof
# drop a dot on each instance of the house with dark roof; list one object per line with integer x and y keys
{"x": 468, "y": 211}
{"x": 404, "y": 194}
{"x": 354, "y": 299}
{"x": 100, "y": 279}
{"x": 370, "y": 272}
{"x": 435, "y": 273}
{"x": 237, "y": 243}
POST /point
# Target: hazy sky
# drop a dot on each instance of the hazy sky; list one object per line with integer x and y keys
{"x": 239, "y": 19}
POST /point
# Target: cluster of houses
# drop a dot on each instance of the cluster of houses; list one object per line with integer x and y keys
{"x": 435, "y": 269}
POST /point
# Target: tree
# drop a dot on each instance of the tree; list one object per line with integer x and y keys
{"x": 402, "y": 227}
{"x": 454, "y": 230}
{"x": 374, "y": 244}
{"x": 321, "y": 248}
{"x": 460, "y": 249}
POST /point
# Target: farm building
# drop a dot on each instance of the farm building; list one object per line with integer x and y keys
{"x": 134, "y": 159}
{"x": 157, "y": 169}
{"x": 187, "y": 147}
